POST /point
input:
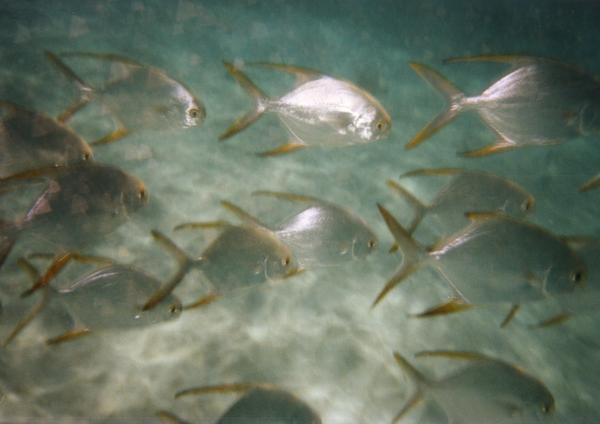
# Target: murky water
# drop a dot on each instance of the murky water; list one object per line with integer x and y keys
{"x": 315, "y": 333}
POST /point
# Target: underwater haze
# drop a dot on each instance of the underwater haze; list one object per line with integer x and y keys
{"x": 314, "y": 334}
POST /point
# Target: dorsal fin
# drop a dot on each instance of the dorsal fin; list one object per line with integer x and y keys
{"x": 222, "y": 388}
{"x": 242, "y": 214}
{"x": 302, "y": 74}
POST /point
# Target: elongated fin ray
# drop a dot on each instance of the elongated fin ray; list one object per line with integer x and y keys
{"x": 554, "y": 320}
{"x": 202, "y": 301}
{"x": 451, "y": 307}
{"x": 109, "y": 138}
{"x": 24, "y": 322}
{"x": 500, "y": 58}
{"x": 452, "y": 95}
{"x": 291, "y": 197}
{"x": 432, "y": 172}
{"x": 284, "y": 149}
{"x": 500, "y": 147}
{"x": 222, "y": 388}
{"x": 590, "y": 184}
{"x": 510, "y": 316}
{"x": 242, "y": 214}
{"x": 259, "y": 97}
{"x": 419, "y": 207}
{"x": 70, "y": 335}
{"x": 302, "y": 74}
{"x": 201, "y": 225}
{"x": 68, "y": 72}
{"x": 109, "y": 57}
{"x": 415, "y": 400}
{"x": 455, "y": 354}
{"x": 170, "y": 418}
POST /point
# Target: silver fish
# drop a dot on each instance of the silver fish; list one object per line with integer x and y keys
{"x": 321, "y": 111}
{"x": 466, "y": 191}
{"x": 79, "y": 203}
{"x": 486, "y": 390}
{"x": 31, "y": 140}
{"x": 110, "y": 297}
{"x": 261, "y": 403}
{"x": 144, "y": 98}
{"x": 528, "y": 262}
{"x": 539, "y": 102}
{"x": 241, "y": 256}
{"x": 323, "y": 234}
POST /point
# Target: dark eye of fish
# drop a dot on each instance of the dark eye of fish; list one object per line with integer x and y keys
{"x": 371, "y": 244}
{"x": 194, "y": 113}
{"x": 286, "y": 261}
{"x": 142, "y": 194}
{"x": 576, "y": 276}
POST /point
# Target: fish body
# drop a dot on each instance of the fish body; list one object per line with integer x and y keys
{"x": 466, "y": 191}
{"x": 112, "y": 297}
{"x": 243, "y": 256}
{"x": 539, "y": 102}
{"x": 324, "y": 234}
{"x": 485, "y": 390}
{"x": 79, "y": 204}
{"x": 494, "y": 259}
{"x": 141, "y": 97}
{"x": 273, "y": 406}
{"x": 30, "y": 140}
{"x": 321, "y": 110}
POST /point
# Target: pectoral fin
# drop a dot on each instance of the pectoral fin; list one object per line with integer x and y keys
{"x": 201, "y": 225}
{"x": 282, "y": 150}
{"x": 554, "y": 320}
{"x": 500, "y": 147}
{"x": 302, "y": 74}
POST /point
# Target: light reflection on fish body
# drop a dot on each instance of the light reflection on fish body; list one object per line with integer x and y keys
{"x": 30, "y": 140}
{"x": 485, "y": 390}
{"x": 539, "y": 102}
{"x": 505, "y": 260}
{"x": 262, "y": 405}
{"x": 496, "y": 258}
{"x": 331, "y": 112}
{"x": 325, "y": 234}
{"x": 321, "y": 110}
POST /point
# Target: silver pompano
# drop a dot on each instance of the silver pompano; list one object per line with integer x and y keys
{"x": 494, "y": 259}
{"x": 324, "y": 234}
{"x": 486, "y": 390}
{"x": 466, "y": 191}
{"x": 539, "y": 102}
{"x": 142, "y": 98}
{"x": 31, "y": 140}
{"x": 321, "y": 110}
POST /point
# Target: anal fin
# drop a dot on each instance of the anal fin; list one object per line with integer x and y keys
{"x": 554, "y": 320}
{"x": 68, "y": 336}
{"x": 450, "y": 307}
{"x": 283, "y": 149}
{"x": 116, "y": 135}
{"x": 500, "y": 147}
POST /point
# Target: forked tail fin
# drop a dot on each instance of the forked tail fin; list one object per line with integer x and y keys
{"x": 185, "y": 263}
{"x": 452, "y": 95}
{"x": 413, "y": 255}
{"x": 418, "y": 379}
{"x": 260, "y": 100}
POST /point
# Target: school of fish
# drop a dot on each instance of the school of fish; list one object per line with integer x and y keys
{"x": 476, "y": 221}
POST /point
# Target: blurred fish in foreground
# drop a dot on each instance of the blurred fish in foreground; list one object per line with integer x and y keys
{"x": 467, "y": 191}
{"x": 30, "y": 140}
{"x": 260, "y": 404}
{"x": 140, "y": 98}
{"x": 241, "y": 256}
{"x": 320, "y": 111}
{"x": 487, "y": 390}
{"x": 323, "y": 234}
{"x": 494, "y": 259}
{"x": 79, "y": 204}
{"x": 538, "y": 102}
{"x": 109, "y": 297}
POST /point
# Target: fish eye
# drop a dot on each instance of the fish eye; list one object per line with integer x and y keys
{"x": 194, "y": 113}
{"x": 379, "y": 125}
{"x": 86, "y": 156}
{"x": 371, "y": 244}
{"x": 142, "y": 194}
{"x": 173, "y": 309}
{"x": 576, "y": 277}
{"x": 286, "y": 261}
{"x": 526, "y": 205}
